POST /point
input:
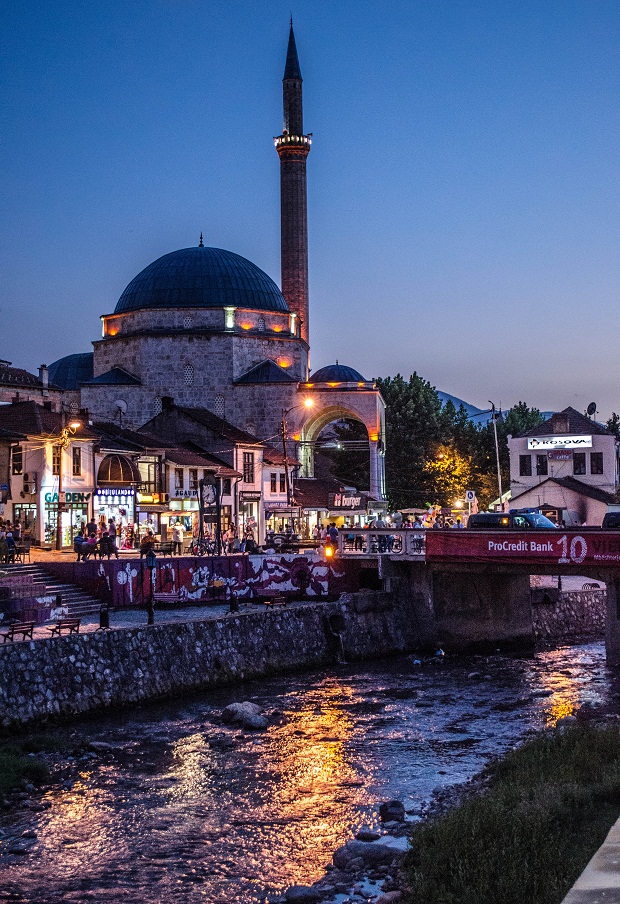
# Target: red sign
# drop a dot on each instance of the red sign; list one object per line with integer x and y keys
{"x": 524, "y": 547}
{"x": 560, "y": 455}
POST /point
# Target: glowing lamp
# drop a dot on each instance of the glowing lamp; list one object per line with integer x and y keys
{"x": 245, "y": 326}
{"x": 308, "y": 403}
{"x": 277, "y": 328}
{"x": 329, "y": 551}
{"x": 374, "y": 437}
{"x": 284, "y": 362}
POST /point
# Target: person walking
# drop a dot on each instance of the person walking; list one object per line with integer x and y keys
{"x": 178, "y": 535}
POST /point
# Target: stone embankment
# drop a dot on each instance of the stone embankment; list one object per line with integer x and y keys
{"x": 70, "y": 675}
{"x": 560, "y": 615}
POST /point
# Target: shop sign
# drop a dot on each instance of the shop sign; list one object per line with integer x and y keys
{"x": 67, "y": 498}
{"x": 273, "y": 505}
{"x": 559, "y": 442}
{"x": 342, "y": 501}
{"x": 115, "y": 491}
{"x": 560, "y": 455}
{"x": 185, "y": 494}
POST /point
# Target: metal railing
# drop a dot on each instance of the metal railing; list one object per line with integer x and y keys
{"x": 408, "y": 544}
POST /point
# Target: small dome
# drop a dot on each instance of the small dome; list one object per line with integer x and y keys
{"x": 337, "y": 373}
{"x": 201, "y": 278}
{"x": 72, "y": 370}
{"x": 118, "y": 471}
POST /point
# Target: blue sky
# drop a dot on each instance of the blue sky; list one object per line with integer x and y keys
{"x": 463, "y": 180}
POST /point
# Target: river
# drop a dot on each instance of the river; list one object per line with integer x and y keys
{"x": 184, "y": 809}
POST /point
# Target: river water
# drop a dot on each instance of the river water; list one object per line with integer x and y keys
{"x": 185, "y": 809}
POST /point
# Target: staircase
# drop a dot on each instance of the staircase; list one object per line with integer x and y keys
{"x": 78, "y": 602}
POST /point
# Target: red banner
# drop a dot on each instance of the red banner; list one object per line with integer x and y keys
{"x": 543, "y": 547}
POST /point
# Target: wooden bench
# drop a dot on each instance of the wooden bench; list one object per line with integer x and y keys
{"x": 277, "y": 600}
{"x": 167, "y": 597}
{"x": 23, "y": 628}
{"x": 70, "y": 625}
{"x": 164, "y": 548}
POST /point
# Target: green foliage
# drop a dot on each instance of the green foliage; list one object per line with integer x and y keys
{"x": 547, "y": 809}
{"x": 613, "y": 424}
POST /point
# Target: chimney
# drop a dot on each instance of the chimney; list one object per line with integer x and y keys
{"x": 44, "y": 375}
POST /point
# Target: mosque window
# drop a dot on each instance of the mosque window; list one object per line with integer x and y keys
{"x": 187, "y": 322}
{"x": 157, "y": 405}
{"x": 261, "y": 324}
{"x": 188, "y": 374}
{"x": 219, "y": 405}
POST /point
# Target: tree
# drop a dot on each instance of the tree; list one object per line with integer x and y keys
{"x": 448, "y": 475}
{"x": 613, "y": 424}
{"x": 415, "y": 426}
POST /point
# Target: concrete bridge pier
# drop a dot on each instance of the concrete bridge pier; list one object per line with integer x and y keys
{"x": 612, "y": 627}
{"x": 482, "y": 609}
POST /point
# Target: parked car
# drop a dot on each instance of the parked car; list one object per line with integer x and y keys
{"x": 611, "y": 521}
{"x": 517, "y": 520}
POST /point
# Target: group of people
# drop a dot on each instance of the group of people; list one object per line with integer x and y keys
{"x": 96, "y": 540}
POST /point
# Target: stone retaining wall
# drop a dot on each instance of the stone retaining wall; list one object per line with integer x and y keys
{"x": 563, "y": 615}
{"x": 75, "y": 674}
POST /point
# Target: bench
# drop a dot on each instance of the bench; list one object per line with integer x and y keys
{"x": 277, "y": 600}
{"x": 23, "y": 628}
{"x": 70, "y": 625}
{"x": 167, "y": 597}
{"x": 164, "y": 548}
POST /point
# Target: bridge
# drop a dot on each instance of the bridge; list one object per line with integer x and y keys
{"x": 473, "y": 586}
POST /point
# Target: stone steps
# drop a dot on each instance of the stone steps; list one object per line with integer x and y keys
{"x": 77, "y": 601}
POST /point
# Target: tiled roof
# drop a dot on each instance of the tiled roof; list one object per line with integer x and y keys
{"x": 273, "y": 456}
{"x": 219, "y": 426}
{"x": 266, "y": 372}
{"x": 567, "y": 421}
{"x": 115, "y": 377}
{"x": 577, "y": 486}
{"x": 114, "y": 436}
{"x": 31, "y": 419}
{"x": 17, "y": 377}
{"x": 223, "y": 470}
{"x": 313, "y": 492}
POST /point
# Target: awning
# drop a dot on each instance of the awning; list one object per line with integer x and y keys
{"x": 118, "y": 471}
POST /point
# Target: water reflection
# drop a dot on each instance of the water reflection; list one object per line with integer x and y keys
{"x": 185, "y": 809}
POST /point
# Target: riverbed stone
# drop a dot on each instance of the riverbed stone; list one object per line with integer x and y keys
{"x": 392, "y": 811}
{"x": 302, "y": 894}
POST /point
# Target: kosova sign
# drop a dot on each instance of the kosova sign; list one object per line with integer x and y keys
{"x": 559, "y": 441}
{"x": 524, "y": 547}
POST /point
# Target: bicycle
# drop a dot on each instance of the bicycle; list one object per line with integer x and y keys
{"x": 202, "y": 547}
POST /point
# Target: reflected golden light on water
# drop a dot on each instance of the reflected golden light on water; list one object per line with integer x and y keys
{"x": 192, "y": 763}
{"x": 563, "y": 695}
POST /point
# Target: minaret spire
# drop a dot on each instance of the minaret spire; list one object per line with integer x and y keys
{"x": 293, "y": 147}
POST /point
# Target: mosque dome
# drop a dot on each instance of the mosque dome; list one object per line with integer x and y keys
{"x": 72, "y": 370}
{"x": 337, "y": 373}
{"x": 201, "y": 278}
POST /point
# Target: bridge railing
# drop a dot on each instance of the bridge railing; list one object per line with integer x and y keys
{"x": 406, "y": 544}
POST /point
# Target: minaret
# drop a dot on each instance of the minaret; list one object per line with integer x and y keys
{"x": 293, "y": 147}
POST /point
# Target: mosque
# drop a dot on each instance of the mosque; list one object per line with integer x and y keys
{"x": 205, "y": 328}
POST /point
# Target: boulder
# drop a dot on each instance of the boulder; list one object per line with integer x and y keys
{"x": 246, "y": 714}
{"x": 392, "y": 811}
{"x": 373, "y": 853}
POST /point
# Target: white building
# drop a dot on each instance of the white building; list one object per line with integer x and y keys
{"x": 567, "y": 466}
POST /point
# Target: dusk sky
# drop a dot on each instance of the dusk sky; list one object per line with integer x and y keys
{"x": 463, "y": 191}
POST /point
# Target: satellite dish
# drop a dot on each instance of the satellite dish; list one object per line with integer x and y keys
{"x": 591, "y": 410}
{"x": 121, "y": 405}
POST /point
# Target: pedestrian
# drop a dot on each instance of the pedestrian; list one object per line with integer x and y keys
{"x": 333, "y": 534}
{"x": 91, "y": 527}
{"x": 147, "y": 543}
{"x": 178, "y": 535}
{"x": 112, "y": 529}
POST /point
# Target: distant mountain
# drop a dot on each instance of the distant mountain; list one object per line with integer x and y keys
{"x": 477, "y": 415}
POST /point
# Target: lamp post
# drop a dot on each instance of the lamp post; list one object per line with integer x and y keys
{"x": 151, "y": 564}
{"x": 307, "y": 403}
{"x": 494, "y": 416}
{"x": 65, "y": 438}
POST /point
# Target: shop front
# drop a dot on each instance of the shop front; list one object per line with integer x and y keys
{"x": 353, "y": 509}
{"x": 249, "y": 514}
{"x": 115, "y": 497}
{"x": 74, "y": 509}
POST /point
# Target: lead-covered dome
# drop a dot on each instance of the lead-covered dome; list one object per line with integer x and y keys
{"x": 337, "y": 373}
{"x": 202, "y": 278}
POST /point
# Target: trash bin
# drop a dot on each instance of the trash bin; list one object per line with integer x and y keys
{"x": 104, "y": 617}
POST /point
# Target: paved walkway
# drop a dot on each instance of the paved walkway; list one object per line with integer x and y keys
{"x": 600, "y": 881}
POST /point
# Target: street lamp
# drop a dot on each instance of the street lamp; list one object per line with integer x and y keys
{"x": 65, "y": 438}
{"x": 307, "y": 403}
{"x": 151, "y": 564}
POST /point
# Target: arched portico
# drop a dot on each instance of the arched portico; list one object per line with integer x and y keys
{"x": 360, "y": 403}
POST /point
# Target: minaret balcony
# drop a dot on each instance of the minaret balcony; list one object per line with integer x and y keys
{"x": 289, "y": 141}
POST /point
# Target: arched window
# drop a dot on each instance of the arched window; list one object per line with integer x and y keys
{"x": 188, "y": 374}
{"x": 157, "y": 405}
{"x": 261, "y": 325}
{"x": 187, "y": 321}
{"x": 219, "y": 406}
